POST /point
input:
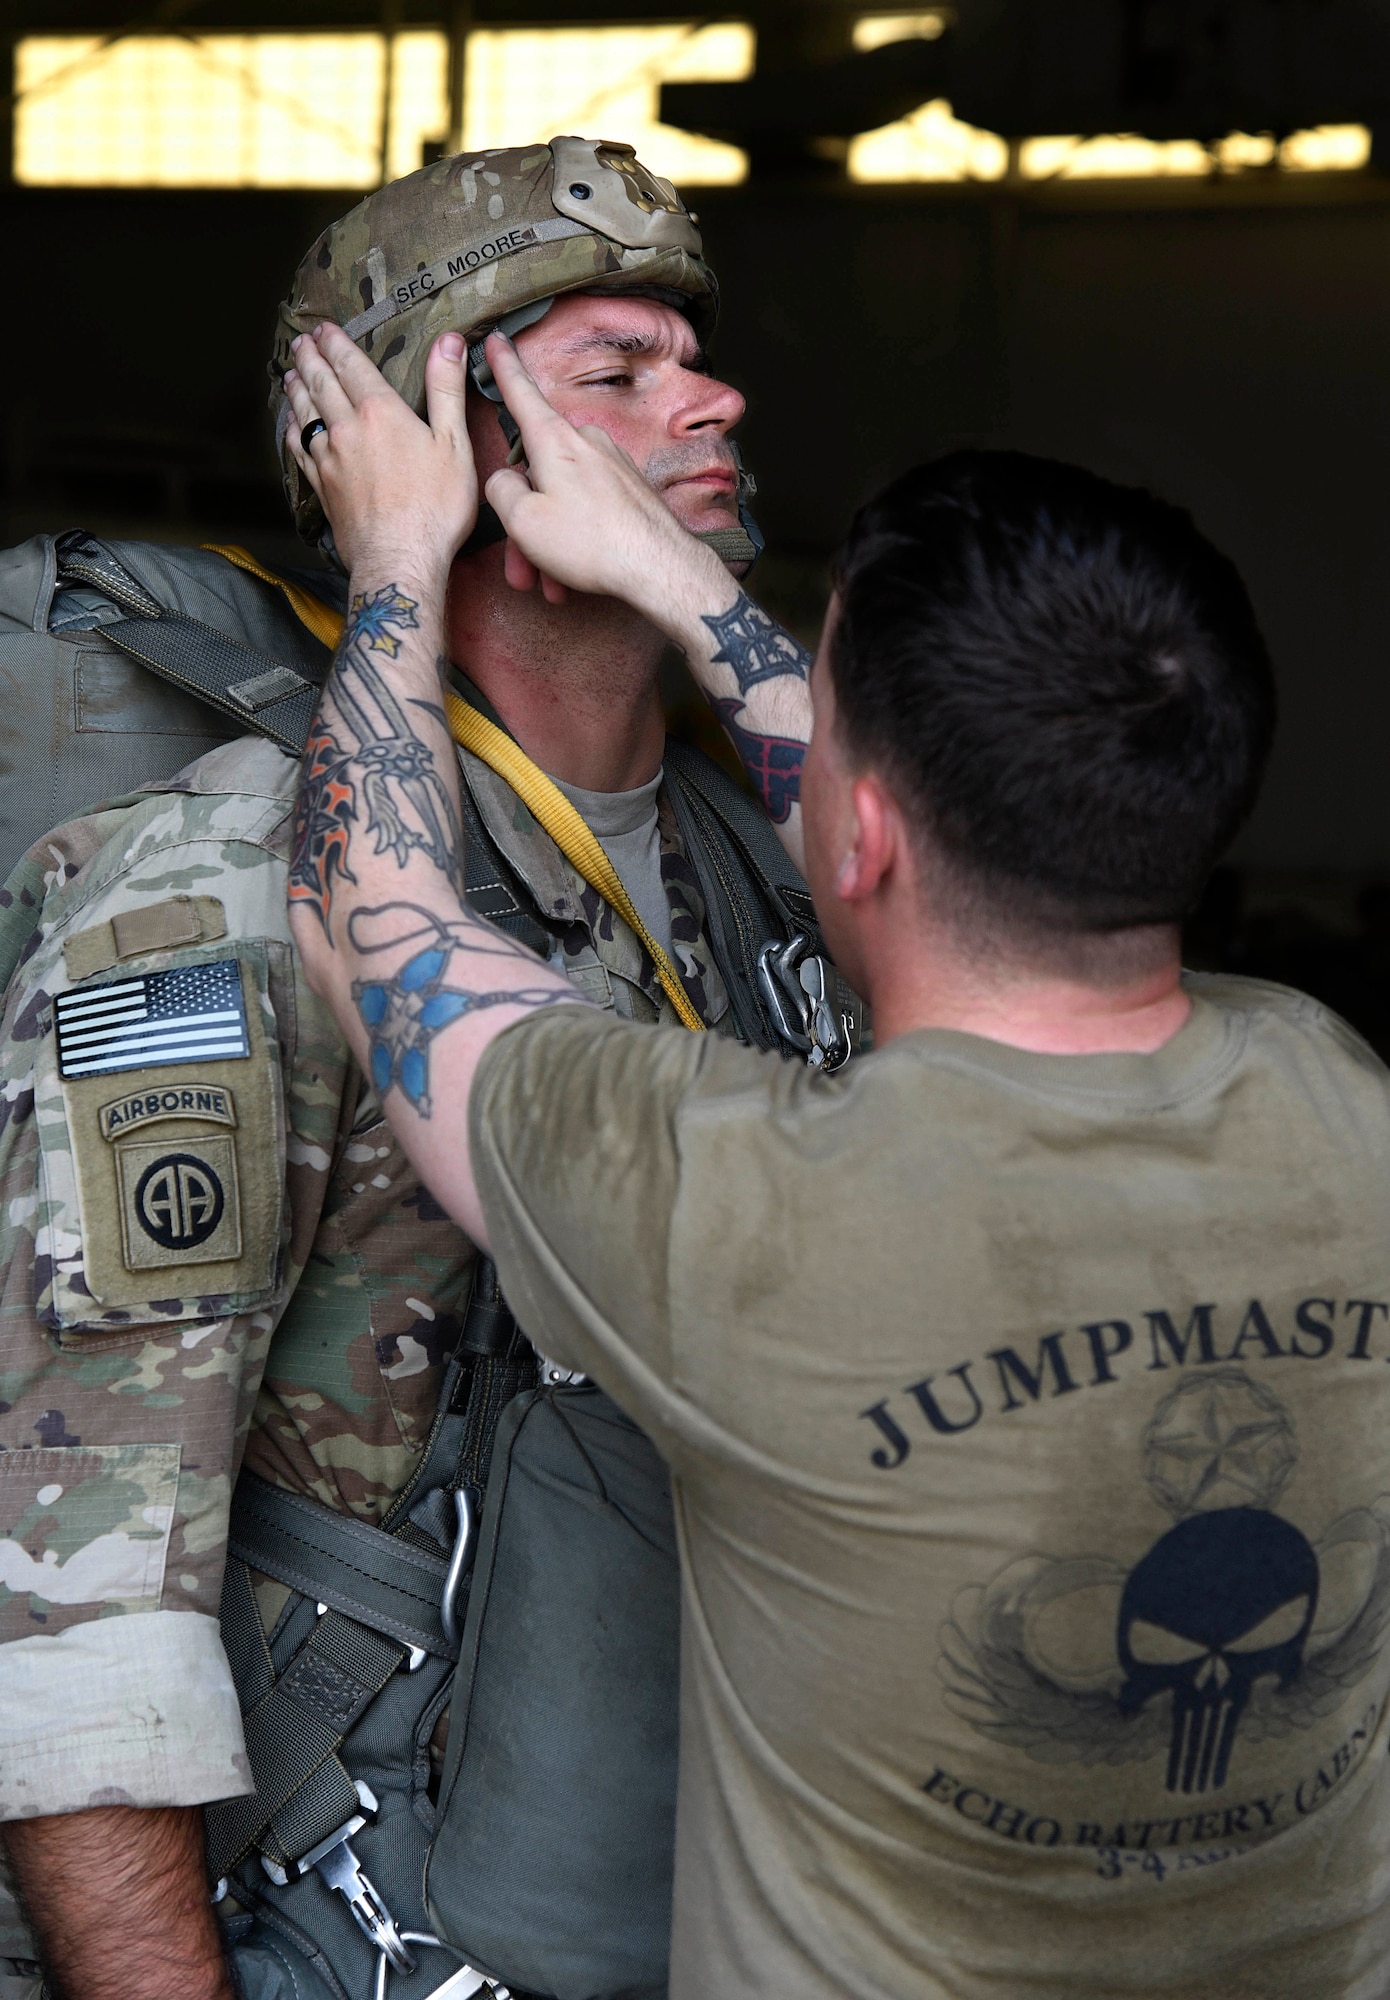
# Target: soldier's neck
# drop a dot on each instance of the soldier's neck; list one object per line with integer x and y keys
{"x": 575, "y": 683}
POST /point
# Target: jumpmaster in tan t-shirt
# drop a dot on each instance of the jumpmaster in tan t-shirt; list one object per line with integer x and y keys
{"x": 1029, "y": 1421}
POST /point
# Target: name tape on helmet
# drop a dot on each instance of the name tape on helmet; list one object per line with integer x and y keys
{"x": 403, "y": 293}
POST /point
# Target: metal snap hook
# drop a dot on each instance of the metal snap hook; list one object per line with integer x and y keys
{"x": 460, "y": 1562}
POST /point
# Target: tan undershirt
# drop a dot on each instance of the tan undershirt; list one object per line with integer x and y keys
{"x": 626, "y": 828}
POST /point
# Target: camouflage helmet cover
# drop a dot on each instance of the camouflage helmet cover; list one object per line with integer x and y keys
{"x": 472, "y": 238}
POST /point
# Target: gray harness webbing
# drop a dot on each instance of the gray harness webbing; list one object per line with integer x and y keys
{"x": 378, "y": 1598}
{"x": 293, "y": 1729}
{"x": 492, "y": 890}
{"x": 753, "y": 894}
{"x": 342, "y": 1562}
{"x": 260, "y": 692}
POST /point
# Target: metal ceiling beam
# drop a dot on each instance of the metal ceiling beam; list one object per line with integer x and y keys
{"x": 1170, "y": 69}
{"x": 243, "y": 17}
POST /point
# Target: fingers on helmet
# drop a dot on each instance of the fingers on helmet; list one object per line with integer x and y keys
{"x": 524, "y": 398}
{"x": 445, "y": 386}
{"x": 300, "y": 401}
{"x": 327, "y": 395}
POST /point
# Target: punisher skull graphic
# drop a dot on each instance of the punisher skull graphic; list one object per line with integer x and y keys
{"x": 1226, "y": 1627}
{"x": 1223, "y": 1599}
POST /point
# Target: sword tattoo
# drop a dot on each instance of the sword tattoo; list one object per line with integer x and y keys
{"x": 394, "y": 792}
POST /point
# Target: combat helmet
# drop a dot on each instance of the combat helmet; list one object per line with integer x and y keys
{"x": 481, "y": 241}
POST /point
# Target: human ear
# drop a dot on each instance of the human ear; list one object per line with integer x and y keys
{"x": 874, "y": 837}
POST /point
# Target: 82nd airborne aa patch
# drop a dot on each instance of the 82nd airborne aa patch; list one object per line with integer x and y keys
{"x": 180, "y": 1203}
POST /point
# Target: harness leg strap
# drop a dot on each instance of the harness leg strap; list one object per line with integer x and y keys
{"x": 292, "y": 1736}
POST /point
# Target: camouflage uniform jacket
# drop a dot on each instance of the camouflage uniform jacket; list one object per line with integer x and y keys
{"x": 207, "y": 1258}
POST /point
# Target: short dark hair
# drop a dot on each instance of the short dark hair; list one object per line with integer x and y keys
{"x": 1061, "y": 678}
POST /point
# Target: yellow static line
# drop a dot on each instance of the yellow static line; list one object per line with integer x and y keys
{"x": 541, "y": 796}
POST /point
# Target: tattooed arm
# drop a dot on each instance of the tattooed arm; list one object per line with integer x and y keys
{"x": 767, "y": 714}
{"x": 367, "y": 769}
{"x": 584, "y": 515}
{"x": 376, "y": 899}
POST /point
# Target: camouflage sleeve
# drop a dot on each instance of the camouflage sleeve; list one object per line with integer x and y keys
{"x": 171, "y": 1098}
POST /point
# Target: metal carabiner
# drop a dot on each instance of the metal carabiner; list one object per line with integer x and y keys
{"x": 460, "y": 1562}
{"x": 341, "y": 1870}
{"x": 337, "y": 1865}
{"x": 460, "y": 1985}
{"x": 796, "y": 984}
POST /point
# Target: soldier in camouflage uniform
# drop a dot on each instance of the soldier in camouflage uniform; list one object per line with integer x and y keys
{"x": 293, "y": 1313}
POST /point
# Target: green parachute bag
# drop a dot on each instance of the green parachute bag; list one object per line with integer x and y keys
{"x": 552, "y": 1861}
{"x": 122, "y": 662}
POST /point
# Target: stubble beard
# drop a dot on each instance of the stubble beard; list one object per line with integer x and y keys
{"x": 683, "y": 460}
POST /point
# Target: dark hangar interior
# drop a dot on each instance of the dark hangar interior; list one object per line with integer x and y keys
{"x": 1188, "y": 289}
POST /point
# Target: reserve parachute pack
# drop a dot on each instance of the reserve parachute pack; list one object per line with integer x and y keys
{"x": 525, "y": 1582}
{"x": 81, "y": 719}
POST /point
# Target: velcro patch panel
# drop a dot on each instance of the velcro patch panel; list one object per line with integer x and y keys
{"x": 173, "y": 1103}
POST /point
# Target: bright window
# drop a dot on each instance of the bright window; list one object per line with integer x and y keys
{"x": 306, "y": 110}
{"x": 931, "y": 145}
{"x": 223, "y": 110}
{"x": 524, "y": 84}
{"x": 934, "y": 145}
{"x": 1120, "y": 156}
{"x": 1326, "y": 147}
{"x": 873, "y": 31}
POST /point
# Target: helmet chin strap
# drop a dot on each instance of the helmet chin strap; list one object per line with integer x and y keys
{"x": 743, "y": 544}
{"x": 489, "y": 529}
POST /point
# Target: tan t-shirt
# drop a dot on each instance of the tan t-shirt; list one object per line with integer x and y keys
{"x": 1029, "y": 1420}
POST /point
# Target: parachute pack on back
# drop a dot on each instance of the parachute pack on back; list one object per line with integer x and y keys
{"x": 83, "y": 718}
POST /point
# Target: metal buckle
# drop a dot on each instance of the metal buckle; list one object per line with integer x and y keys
{"x": 797, "y": 985}
{"x": 460, "y": 1985}
{"x": 460, "y": 1562}
{"x": 340, "y": 1868}
{"x": 553, "y": 1376}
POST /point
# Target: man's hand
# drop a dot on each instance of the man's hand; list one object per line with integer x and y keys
{"x": 583, "y": 516}
{"x": 119, "y": 1900}
{"x": 401, "y": 495}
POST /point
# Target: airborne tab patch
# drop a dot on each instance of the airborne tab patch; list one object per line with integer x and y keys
{"x": 183, "y": 1015}
{"x": 180, "y": 1100}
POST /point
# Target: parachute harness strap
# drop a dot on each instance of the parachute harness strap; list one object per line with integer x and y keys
{"x": 542, "y": 798}
{"x": 571, "y": 833}
{"x": 316, "y": 616}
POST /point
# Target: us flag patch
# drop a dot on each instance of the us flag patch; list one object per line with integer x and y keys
{"x": 184, "y": 1015}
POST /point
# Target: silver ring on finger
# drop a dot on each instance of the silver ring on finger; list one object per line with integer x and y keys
{"x": 316, "y": 427}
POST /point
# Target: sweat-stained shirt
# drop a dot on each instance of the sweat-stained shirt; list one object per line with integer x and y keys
{"x": 1029, "y": 1424}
